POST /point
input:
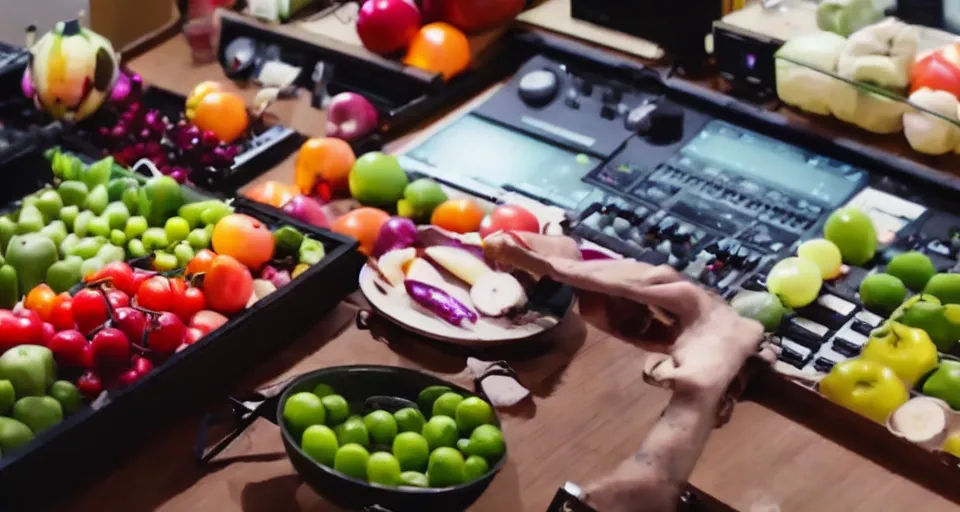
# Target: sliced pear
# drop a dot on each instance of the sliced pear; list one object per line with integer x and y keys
{"x": 421, "y": 270}
{"x": 496, "y": 293}
{"x": 465, "y": 266}
{"x": 393, "y": 264}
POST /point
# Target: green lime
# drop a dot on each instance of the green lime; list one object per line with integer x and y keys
{"x": 475, "y": 467}
{"x": 13, "y": 434}
{"x": 383, "y": 469}
{"x": 323, "y": 390}
{"x": 763, "y": 307}
{"x": 446, "y": 468}
{"x": 381, "y": 426}
{"x": 38, "y": 412}
{"x": 412, "y": 450}
{"x": 853, "y": 233}
{"x": 338, "y": 410}
{"x": 447, "y": 404}
{"x": 945, "y": 287}
{"x": 413, "y": 479}
{"x": 913, "y": 268}
{"x": 351, "y": 460}
{"x": 353, "y": 431}
{"x": 302, "y": 410}
{"x": 882, "y": 293}
{"x": 440, "y": 431}
{"x": 64, "y": 392}
{"x": 320, "y": 444}
{"x": 464, "y": 446}
{"x": 473, "y": 412}
{"x": 430, "y": 395}
{"x": 487, "y": 442}
{"x": 409, "y": 420}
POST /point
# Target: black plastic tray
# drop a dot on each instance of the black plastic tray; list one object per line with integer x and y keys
{"x": 268, "y": 149}
{"x": 59, "y": 460}
{"x": 19, "y": 120}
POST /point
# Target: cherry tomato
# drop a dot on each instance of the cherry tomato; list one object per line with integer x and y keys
{"x": 68, "y": 348}
{"x": 207, "y": 321}
{"x": 509, "y": 218}
{"x": 127, "y": 378}
{"x": 41, "y": 299}
{"x": 20, "y": 328}
{"x": 46, "y": 333}
{"x": 166, "y": 334}
{"x": 61, "y": 316}
{"x": 139, "y": 276}
{"x": 118, "y": 299}
{"x": 201, "y": 262}
{"x": 192, "y": 335}
{"x": 155, "y": 294}
{"x": 188, "y": 303}
{"x": 120, "y": 274}
{"x": 142, "y": 365}
{"x": 90, "y": 385}
{"x": 111, "y": 348}
{"x": 88, "y": 356}
{"x": 132, "y": 322}
{"x": 89, "y": 310}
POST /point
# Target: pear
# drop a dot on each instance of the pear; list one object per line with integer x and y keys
{"x": 31, "y": 255}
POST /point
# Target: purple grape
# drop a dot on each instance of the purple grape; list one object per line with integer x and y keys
{"x": 234, "y": 151}
{"x": 179, "y": 174}
{"x": 193, "y": 131}
{"x": 119, "y": 132}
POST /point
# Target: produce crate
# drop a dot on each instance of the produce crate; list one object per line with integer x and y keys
{"x": 85, "y": 443}
{"x": 22, "y": 127}
{"x": 270, "y": 146}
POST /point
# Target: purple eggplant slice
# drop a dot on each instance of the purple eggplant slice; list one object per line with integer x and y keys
{"x": 439, "y": 303}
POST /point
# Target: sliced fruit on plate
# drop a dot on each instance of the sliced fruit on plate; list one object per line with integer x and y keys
{"x": 920, "y": 420}
{"x": 459, "y": 262}
{"x": 421, "y": 270}
{"x": 496, "y": 293}
{"x": 393, "y": 264}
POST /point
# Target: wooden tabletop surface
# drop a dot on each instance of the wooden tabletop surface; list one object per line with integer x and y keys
{"x": 590, "y": 410}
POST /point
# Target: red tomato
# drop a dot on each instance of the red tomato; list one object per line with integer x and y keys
{"x": 118, "y": 299}
{"x": 68, "y": 348}
{"x": 61, "y": 316}
{"x": 939, "y": 71}
{"x": 111, "y": 348}
{"x": 509, "y": 218}
{"x": 120, "y": 274}
{"x": 207, "y": 321}
{"x": 47, "y": 331}
{"x": 189, "y": 303}
{"x": 228, "y": 285}
{"x": 90, "y": 385}
{"x": 166, "y": 335}
{"x": 155, "y": 294}
{"x": 89, "y": 309}
{"x": 139, "y": 276}
{"x": 192, "y": 335}
{"x": 201, "y": 262}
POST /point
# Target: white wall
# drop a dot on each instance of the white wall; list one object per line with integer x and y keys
{"x": 15, "y": 15}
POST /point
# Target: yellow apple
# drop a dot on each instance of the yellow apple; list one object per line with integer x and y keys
{"x": 909, "y": 352}
{"x": 952, "y": 443}
{"x": 866, "y": 387}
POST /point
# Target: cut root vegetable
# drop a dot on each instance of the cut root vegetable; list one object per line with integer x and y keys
{"x": 440, "y": 303}
{"x": 393, "y": 264}
{"x": 497, "y": 293}
{"x": 459, "y": 262}
{"x": 921, "y": 420}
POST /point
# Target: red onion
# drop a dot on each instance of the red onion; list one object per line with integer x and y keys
{"x": 350, "y": 117}
{"x": 396, "y": 233}
{"x": 26, "y": 84}
{"x": 593, "y": 254}
{"x": 306, "y": 209}
{"x": 121, "y": 89}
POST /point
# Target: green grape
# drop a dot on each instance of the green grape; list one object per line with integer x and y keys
{"x": 825, "y": 254}
{"x": 136, "y": 226}
{"x": 795, "y": 281}
{"x": 136, "y": 249}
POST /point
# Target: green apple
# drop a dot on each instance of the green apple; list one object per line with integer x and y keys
{"x": 30, "y": 220}
{"x": 13, "y": 435}
{"x": 853, "y": 233}
{"x": 907, "y": 351}
{"x": 49, "y": 204}
{"x": 31, "y": 254}
{"x": 38, "y": 412}
{"x": 64, "y": 274}
{"x": 7, "y": 396}
{"x": 377, "y": 179}
{"x": 941, "y": 323}
{"x": 944, "y": 383}
{"x": 945, "y": 287}
{"x": 73, "y": 193}
{"x": 30, "y": 368}
{"x": 67, "y": 394}
{"x": 420, "y": 198}
{"x": 8, "y": 228}
{"x": 866, "y": 387}
{"x": 97, "y": 200}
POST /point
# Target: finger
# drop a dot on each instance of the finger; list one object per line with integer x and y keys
{"x": 684, "y": 299}
{"x": 660, "y": 370}
{"x": 769, "y": 353}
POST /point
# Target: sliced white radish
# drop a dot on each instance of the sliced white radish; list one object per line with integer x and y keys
{"x": 460, "y": 263}
{"x": 496, "y": 293}
{"x": 393, "y": 263}
{"x": 920, "y": 420}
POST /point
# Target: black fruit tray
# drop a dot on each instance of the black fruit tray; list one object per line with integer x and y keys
{"x": 22, "y": 126}
{"x": 61, "y": 459}
{"x": 271, "y": 144}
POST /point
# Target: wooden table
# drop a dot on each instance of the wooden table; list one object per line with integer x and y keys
{"x": 590, "y": 410}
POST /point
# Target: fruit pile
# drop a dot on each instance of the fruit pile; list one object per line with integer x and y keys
{"x": 458, "y": 444}
{"x": 203, "y": 138}
{"x": 102, "y": 278}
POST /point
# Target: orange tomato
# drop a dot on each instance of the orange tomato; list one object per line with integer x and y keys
{"x": 458, "y": 215}
{"x": 362, "y": 224}
{"x": 201, "y": 262}
{"x": 440, "y": 48}
{"x": 323, "y": 159}
{"x": 223, "y": 113}
{"x": 202, "y": 89}
{"x": 244, "y": 238}
{"x": 41, "y": 300}
{"x": 274, "y": 193}
{"x": 228, "y": 285}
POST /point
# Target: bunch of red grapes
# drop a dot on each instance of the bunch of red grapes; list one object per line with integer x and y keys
{"x": 176, "y": 148}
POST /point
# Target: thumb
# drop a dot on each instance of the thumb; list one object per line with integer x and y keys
{"x": 660, "y": 370}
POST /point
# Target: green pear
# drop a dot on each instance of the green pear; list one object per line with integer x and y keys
{"x": 73, "y": 193}
{"x": 99, "y": 226}
{"x": 50, "y": 204}
{"x": 13, "y": 435}
{"x": 31, "y": 254}
{"x": 8, "y": 228}
{"x": 68, "y": 214}
{"x": 64, "y": 274}
{"x": 30, "y": 368}
{"x": 55, "y": 231}
{"x": 30, "y": 220}
{"x": 97, "y": 199}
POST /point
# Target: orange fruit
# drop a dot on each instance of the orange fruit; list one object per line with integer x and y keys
{"x": 202, "y": 89}
{"x": 245, "y": 238}
{"x": 223, "y": 113}
{"x": 274, "y": 193}
{"x": 458, "y": 215}
{"x": 362, "y": 224}
{"x": 323, "y": 159}
{"x": 440, "y": 48}
{"x": 228, "y": 285}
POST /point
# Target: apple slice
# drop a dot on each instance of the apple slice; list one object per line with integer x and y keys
{"x": 394, "y": 263}
{"x": 496, "y": 293}
{"x": 465, "y": 266}
{"x": 921, "y": 420}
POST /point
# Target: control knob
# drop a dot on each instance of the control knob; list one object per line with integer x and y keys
{"x": 666, "y": 124}
{"x": 539, "y": 87}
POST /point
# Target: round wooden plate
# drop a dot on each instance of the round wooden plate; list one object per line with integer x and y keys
{"x": 397, "y": 307}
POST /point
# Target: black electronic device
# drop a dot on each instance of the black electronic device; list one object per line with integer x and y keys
{"x": 667, "y": 172}
{"x": 745, "y": 58}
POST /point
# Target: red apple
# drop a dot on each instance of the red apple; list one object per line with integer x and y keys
{"x": 387, "y": 26}
{"x": 350, "y": 116}
{"x": 307, "y": 209}
{"x": 473, "y": 15}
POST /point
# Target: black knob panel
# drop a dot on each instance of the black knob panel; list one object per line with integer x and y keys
{"x": 666, "y": 124}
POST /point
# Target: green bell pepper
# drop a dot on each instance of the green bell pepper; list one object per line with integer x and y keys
{"x": 159, "y": 199}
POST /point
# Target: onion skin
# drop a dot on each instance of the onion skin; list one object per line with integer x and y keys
{"x": 307, "y": 209}
{"x": 594, "y": 254}
{"x": 396, "y": 233}
{"x": 439, "y": 303}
